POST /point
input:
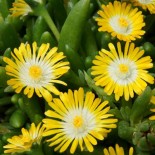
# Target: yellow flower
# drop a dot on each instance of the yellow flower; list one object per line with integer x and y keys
{"x": 18, "y": 144}
{"x": 35, "y": 133}
{"x": 36, "y": 70}
{"x": 77, "y": 119}
{"x": 152, "y": 118}
{"x": 121, "y": 20}
{"x": 145, "y": 4}
{"x": 152, "y": 101}
{"x": 23, "y": 142}
{"x": 122, "y": 72}
{"x": 20, "y": 8}
{"x": 117, "y": 151}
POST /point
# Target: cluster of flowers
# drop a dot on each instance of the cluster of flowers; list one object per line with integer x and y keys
{"x": 77, "y": 118}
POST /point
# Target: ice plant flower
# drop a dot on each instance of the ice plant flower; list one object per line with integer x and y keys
{"x": 24, "y": 142}
{"x": 117, "y": 151}
{"x": 76, "y": 119}
{"x": 145, "y": 4}
{"x": 121, "y": 20}
{"x": 122, "y": 72}
{"x": 35, "y": 133}
{"x": 18, "y": 144}
{"x": 20, "y": 8}
{"x": 152, "y": 118}
{"x": 36, "y": 70}
{"x": 152, "y": 101}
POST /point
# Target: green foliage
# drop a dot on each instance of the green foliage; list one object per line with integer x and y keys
{"x": 77, "y": 36}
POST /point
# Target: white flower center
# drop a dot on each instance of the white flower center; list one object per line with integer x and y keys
{"x": 121, "y": 24}
{"x": 145, "y": 1}
{"x": 123, "y": 71}
{"x": 78, "y": 123}
{"x": 35, "y": 73}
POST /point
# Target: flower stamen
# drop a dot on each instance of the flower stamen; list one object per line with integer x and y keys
{"x": 35, "y": 72}
{"x": 78, "y": 121}
{"x": 123, "y": 68}
{"x": 123, "y": 22}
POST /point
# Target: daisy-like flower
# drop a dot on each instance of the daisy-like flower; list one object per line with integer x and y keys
{"x": 152, "y": 101}
{"x": 145, "y": 4}
{"x": 18, "y": 144}
{"x": 20, "y": 8}
{"x": 36, "y": 70}
{"x": 121, "y": 20}
{"x": 152, "y": 118}
{"x": 23, "y": 142}
{"x": 35, "y": 133}
{"x": 77, "y": 119}
{"x": 117, "y": 151}
{"x": 122, "y": 72}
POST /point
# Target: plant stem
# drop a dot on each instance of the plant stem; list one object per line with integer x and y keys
{"x": 44, "y": 13}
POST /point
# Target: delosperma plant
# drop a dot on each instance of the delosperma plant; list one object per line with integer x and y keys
{"x": 77, "y": 77}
